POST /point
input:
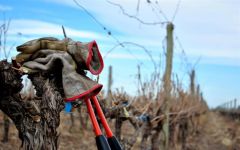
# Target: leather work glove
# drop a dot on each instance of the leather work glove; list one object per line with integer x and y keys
{"x": 75, "y": 85}
{"x": 30, "y": 47}
{"x": 86, "y": 55}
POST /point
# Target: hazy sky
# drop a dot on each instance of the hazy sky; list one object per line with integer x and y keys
{"x": 209, "y": 31}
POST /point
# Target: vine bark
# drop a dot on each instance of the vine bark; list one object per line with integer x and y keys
{"x": 35, "y": 119}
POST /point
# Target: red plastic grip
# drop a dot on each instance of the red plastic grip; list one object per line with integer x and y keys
{"x": 102, "y": 117}
{"x": 91, "y": 113}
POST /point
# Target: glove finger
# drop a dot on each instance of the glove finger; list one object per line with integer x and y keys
{"x": 43, "y": 60}
{"x": 22, "y": 57}
{"x": 44, "y": 52}
{"x": 35, "y": 66}
{"x": 32, "y": 46}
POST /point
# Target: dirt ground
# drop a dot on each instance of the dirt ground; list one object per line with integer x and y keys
{"x": 216, "y": 133}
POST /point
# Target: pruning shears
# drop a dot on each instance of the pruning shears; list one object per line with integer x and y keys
{"x": 111, "y": 143}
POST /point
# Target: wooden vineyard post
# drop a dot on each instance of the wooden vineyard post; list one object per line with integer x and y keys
{"x": 192, "y": 83}
{"x": 167, "y": 82}
{"x": 109, "y": 92}
{"x": 235, "y": 103}
{"x": 139, "y": 79}
{"x": 198, "y": 93}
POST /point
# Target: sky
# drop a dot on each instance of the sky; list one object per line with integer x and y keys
{"x": 206, "y": 37}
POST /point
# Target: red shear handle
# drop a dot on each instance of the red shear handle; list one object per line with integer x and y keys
{"x": 102, "y": 117}
{"x": 95, "y": 124}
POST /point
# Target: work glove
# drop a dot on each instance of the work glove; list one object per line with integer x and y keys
{"x": 75, "y": 85}
{"x": 86, "y": 55}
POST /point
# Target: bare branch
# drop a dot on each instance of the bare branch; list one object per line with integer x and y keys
{"x": 133, "y": 16}
{"x": 160, "y": 10}
{"x": 82, "y": 7}
{"x": 105, "y": 28}
{"x": 137, "y": 45}
{"x": 176, "y": 10}
{"x": 3, "y": 37}
{"x": 138, "y": 5}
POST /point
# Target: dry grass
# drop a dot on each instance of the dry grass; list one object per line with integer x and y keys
{"x": 216, "y": 133}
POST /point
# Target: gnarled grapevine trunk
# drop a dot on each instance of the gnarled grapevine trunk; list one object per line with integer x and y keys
{"x": 6, "y": 123}
{"x": 35, "y": 119}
